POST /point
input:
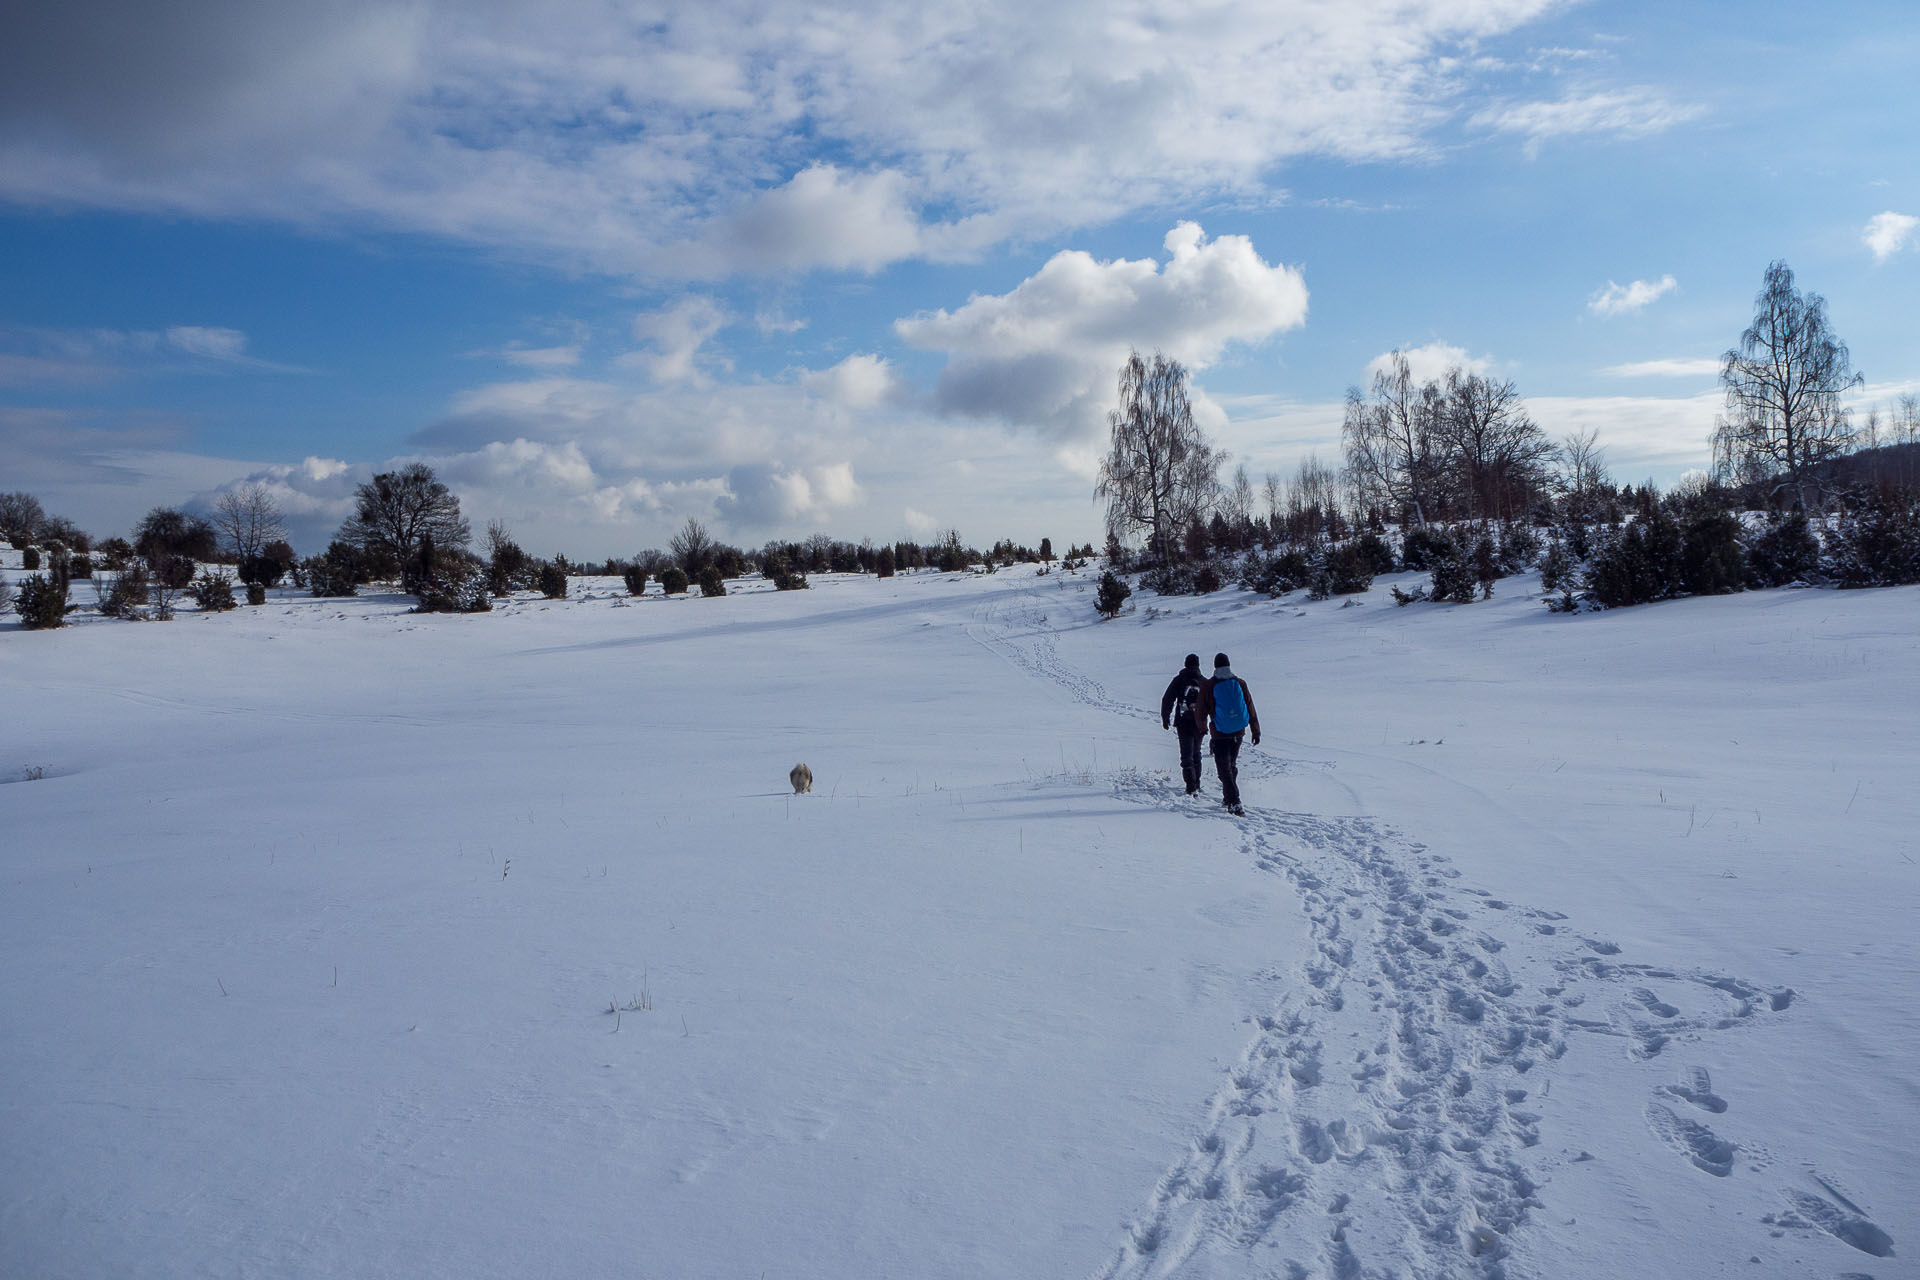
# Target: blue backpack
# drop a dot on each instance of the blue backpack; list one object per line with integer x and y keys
{"x": 1229, "y": 706}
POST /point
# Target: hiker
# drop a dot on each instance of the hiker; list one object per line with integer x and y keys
{"x": 1177, "y": 707}
{"x": 1228, "y": 704}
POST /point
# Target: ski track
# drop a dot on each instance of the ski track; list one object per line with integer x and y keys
{"x": 1379, "y": 1121}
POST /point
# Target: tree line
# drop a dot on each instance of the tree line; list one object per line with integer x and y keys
{"x": 1454, "y": 474}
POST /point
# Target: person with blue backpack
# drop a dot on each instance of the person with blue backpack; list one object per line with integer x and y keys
{"x": 1226, "y": 706}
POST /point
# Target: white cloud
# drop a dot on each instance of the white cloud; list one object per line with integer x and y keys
{"x": 214, "y": 344}
{"x": 919, "y": 522}
{"x": 762, "y": 496}
{"x": 1620, "y": 299}
{"x": 1046, "y": 354}
{"x": 858, "y": 382}
{"x": 1683, "y": 367}
{"x": 543, "y": 357}
{"x": 1887, "y": 233}
{"x": 1637, "y": 112}
{"x": 1430, "y": 363}
{"x": 675, "y": 336}
{"x": 734, "y": 135}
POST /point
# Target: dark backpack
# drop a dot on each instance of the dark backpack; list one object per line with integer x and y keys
{"x": 1188, "y": 702}
{"x": 1229, "y": 706}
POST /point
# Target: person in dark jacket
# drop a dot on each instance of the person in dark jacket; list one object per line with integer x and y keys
{"x": 1177, "y": 706}
{"x": 1226, "y": 707}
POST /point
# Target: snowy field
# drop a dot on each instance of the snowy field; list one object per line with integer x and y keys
{"x": 341, "y": 941}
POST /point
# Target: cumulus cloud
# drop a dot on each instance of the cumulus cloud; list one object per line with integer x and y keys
{"x": 1623, "y": 299}
{"x": 674, "y": 337}
{"x": 1887, "y": 233}
{"x": 1431, "y": 362}
{"x": 1046, "y": 354}
{"x": 761, "y": 496}
{"x": 1682, "y": 367}
{"x": 736, "y": 135}
{"x": 858, "y": 382}
{"x": 1637, "y": 112}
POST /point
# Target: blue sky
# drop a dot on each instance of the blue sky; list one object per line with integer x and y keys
{"x": 871, "y": 269}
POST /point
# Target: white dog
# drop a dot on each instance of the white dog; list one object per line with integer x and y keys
{"x": 802, "y": 779}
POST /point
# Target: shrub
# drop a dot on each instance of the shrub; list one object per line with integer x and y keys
{"x": 1277, "y": 574}
{"x": 1184, "y": 579}
{"x": 1788, "y": 552}
{"x": 42, "y": 599}
{"x": 1424, "y": 547}
{"x": 173, "y": 572}
{"x": 30, "y": 559}
{"x": 553, "y": 580}
{"x": 1711, "y": 560}
{"x": 115, "y": 553}
{"x": 1486, "y": 565}
{"x": 1350, "y": 568}
{"x": 1556, "y": 567}
{"x": 337, "y": 573}
{"x": 1378, "y": 553}
{"x": 1878, "y": 543}
{"x": 1454, "y": 578}
{"x": 213, "y": 592}
{"x": 636, "y": 579}
{"x": 457, "y": 583}
{"x": 789, "y": 580}
{"x": 673, "y": 581}
{"x": 264, "y": 570}
{"x": 125, "y": 593}
{"x": 883, "y": 564}
{"x": 711, "y": 583}
{"x": 256, "y": 593}
{"x": 1519, "y": 548}
{"x": 82, "y": 565}
{"x": 1641, "y": 564}
{"x": 1112, "y": 594}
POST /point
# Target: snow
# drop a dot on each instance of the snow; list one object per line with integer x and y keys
{"x": 340, "y": 940}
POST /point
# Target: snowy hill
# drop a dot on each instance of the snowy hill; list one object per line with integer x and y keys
{"x": 342, "y": 941}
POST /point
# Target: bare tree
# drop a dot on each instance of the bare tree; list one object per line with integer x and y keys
{"x": 691, "y": 546}
{"x": 1389, "y": 439}
{"x": 248, "y": 518}
{"x": 1273, "y": 490}
{"x": 1496, "y": 450}
{"x": 1784, "y": 383}
{"x": 1161, "y": 472}
{"x": 1583, "y": 463}
{"x": 397, "y": 513}
{"x": 20, "y": 518}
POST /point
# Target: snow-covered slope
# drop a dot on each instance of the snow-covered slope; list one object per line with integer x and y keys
{"x": 338, "y": 940}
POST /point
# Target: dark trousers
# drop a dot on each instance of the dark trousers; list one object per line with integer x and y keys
{"x": 1189, "y": 754}
{"x": 1226, "y": 761}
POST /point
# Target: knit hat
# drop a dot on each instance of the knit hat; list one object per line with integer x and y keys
{"x": 1220, "y": 660}
{"x": 1193, "y": 662}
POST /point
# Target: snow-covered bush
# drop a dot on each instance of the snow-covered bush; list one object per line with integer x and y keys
{"x": 636, "y": 579}
{"x": 1788, "y": 551}
{"x": 1712, "y": 562}
{"x": 553, "y": 580}
{"x": 456, "y": 583}
{"x": 30, "y": 559}
{"x": 213, "y": 592}
{"x": 256, "y": 593}
{"x": 711, "y": 583}
{"x": 1877, "y": 544}
{"x": 1275, "y": 575}
{"x": 1556, "y": 566}
{"x": 1640, "y": 564}
{"x": 673, "y": 581}
{"x": 1424, "y": 546}
{"x": 42, "y": 599}
{"x": 122, "y": 595}
{"x": 1112, "y": 594}
{"x": 1454, "y": 578}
